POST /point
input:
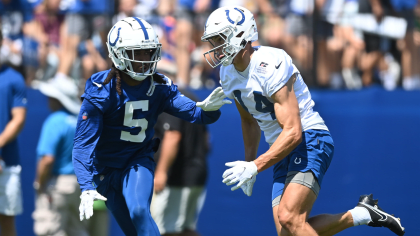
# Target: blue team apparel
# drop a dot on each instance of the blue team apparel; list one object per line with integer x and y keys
{"x": 56, "y": 139}
{"x": 113, "y": 146}
{"x": 129, "y": 201}
{"x": 314, "y": 153}
{"x": 92, "y": 7}
{"x": 12, "y": 94}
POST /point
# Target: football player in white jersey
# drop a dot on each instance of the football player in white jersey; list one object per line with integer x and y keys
{"x": 271, "y": 96}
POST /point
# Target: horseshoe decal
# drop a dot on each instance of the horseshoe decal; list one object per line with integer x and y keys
{"x": 233, "y": 22}
{"x": 298, "y": 162}
{"x": 118, "y": 35}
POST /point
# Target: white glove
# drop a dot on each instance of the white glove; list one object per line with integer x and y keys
{"x": 86, "y": 203}
{"x": 247, "y": 186}
{"x": 214, "y": 101}
{"x": 242, "y": 172}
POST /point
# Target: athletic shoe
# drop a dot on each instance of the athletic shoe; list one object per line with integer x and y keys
{"x": 379, "y": 217}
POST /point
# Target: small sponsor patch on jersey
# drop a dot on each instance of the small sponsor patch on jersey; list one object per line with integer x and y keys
{"x": 84, "y": 116}
{"x": 262, "y": 69}
{"x": 263, "y": 64}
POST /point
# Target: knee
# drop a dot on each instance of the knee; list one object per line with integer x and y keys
{"x": 140, "y": 211}
{"x": 289, "y": 220}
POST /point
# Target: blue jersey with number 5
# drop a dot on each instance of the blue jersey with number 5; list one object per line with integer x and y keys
{"x": 113, "y": 129}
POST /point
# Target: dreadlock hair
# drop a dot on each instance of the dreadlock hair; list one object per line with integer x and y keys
{"x": 114, "y": 72}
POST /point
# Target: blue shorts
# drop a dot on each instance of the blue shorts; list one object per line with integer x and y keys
{"x": 314, "y": 153}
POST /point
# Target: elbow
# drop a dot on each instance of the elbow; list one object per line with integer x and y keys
{"x": 48, "y": 160}
{"x": 296, "y": 136}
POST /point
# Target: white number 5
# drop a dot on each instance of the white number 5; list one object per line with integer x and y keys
{"x": 130, "y": 122}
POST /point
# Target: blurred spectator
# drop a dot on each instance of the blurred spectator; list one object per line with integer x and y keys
{"x": 12, "y": 118}
{"x": 49, "y": 23}
{"x": 18, "y": 31}
{"x": 409, "y": 57}
{"x": 377, "y": 47}
{"x": 84, "y": 17}
{"x": 180, "y": 174}
{"x": 57, "y": 199}
{"x": 353, "y": 45}
{"x": 190, "y": 15}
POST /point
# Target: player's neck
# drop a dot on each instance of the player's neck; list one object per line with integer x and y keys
{"x": 128, "y": 80}
{"x": 243, "y": 58}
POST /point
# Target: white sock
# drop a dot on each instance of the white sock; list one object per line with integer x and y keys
{"x": 360, "y": 216}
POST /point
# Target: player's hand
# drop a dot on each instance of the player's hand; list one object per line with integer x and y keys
{"x": 86, "y": 203}
{"x": 247, "y": 186}
{"x": 214, "y": 101}
{"x": 241, "y": 171}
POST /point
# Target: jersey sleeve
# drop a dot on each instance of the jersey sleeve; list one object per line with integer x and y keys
{"x": 19, "y": 92}
{"x": 88, "y": 131}
{"x": 97, "y": 93}
{"x": 49, "y": 138}
{"x": 184, "y": 108}
{"x": 278, "y": 72}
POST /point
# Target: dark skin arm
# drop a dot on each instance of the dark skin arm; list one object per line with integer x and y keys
{"x": 287, "y": 113}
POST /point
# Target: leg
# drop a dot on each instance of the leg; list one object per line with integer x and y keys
{"x": 138, "y": 190}
{"x": 7, "y": 225}
{"x": 324, "y": 224}
{"x": 75, "y": 29}
{"x": 294, "y": 209}
{"x": 118, "y": 207}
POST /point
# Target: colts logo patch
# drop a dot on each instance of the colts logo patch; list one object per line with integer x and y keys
{"x": 233, "y": 22}
{"x": 118, "y": 35}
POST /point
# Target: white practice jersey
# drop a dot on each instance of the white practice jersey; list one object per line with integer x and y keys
{"x": 269, "y": 70}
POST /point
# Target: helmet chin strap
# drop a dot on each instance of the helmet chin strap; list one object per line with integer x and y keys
{"x": 141, "y": 78}
{"x": 134, "y": 75}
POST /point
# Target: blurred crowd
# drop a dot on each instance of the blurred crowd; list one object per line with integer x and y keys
{"x": 338, "y": 44}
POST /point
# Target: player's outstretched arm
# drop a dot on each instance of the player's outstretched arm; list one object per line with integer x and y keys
{"x": 245, "y": 172}
{"x": 287, "y": 113}
{"x": 205, "y": 112}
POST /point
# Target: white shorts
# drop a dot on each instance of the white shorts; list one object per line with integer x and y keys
{"x": 176, "y": 209}
{"x": 57, "y": 209}
{"x": 10, "y": 190}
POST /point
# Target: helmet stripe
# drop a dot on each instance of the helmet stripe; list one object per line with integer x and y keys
{"x": 146, "y": 35}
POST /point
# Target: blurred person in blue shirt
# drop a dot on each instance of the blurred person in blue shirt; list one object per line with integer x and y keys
{"x": 57, "y": 200}
{"x": 16, "y": 17}
{"x": 12, "y": 118}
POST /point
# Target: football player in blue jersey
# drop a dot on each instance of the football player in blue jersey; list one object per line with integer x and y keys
{"x": 113, "y": 146}
{"x": 271, "y": 95}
